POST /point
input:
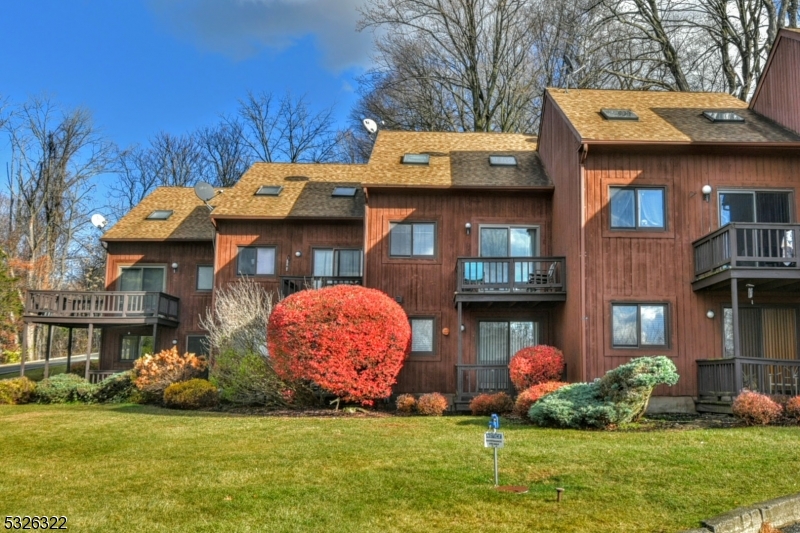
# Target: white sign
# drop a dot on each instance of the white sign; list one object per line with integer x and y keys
{"x": 493, "y": 440}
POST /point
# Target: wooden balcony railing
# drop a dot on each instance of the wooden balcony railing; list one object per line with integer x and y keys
{"x": 291, "y": 285}
{"x": 728, "y": 377}
{"x": 746, "y": 245}
{"x": 103, "y": 305}
{"x": 511, "y": 274}
{"x": 477, "y": 379}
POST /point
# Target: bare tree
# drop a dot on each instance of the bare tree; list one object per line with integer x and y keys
{"x": 137, "y": 176}
{"x": 224, "y": 156}
{"x": 176, "y": 158}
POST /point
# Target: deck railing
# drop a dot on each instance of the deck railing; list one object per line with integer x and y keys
{"x": 746, "y": 245}
{"x": 291, "y": 285}
{"x": 728, "y": 377}
{"x": 477, "y": 379}
{"x": 511, "y": 274}
{"x": 109, "y": 304}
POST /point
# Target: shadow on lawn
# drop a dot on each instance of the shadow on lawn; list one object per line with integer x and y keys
{"x": 138, "y": 409}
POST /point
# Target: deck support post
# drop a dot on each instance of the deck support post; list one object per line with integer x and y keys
{"x": 24, "y": 353}
{"x": 737, "y": 348}
{"x": 69, "y": 350}
{"x": 155, "y": 339}
{"x": 89, "y": 351}
{"x": 459, "y": 385}
{"x": 48, "y": 352}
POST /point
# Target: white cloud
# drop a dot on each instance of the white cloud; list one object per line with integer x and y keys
{"x": 242, "y": 28}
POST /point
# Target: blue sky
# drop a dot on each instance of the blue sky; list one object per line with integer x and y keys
{"x": 143, "y": 66}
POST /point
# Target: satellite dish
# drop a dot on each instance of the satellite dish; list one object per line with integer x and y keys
{"x": 370, "y": 125}
{"x": 204, "y": 191}
{"x": 99, "y": 221}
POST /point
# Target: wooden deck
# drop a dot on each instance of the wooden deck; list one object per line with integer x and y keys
{"x": 78, "y": 308}
{"x": 719, "y": 381}
{"x": 511, "y": 279}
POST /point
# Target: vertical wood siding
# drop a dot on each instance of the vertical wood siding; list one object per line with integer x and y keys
{"x": 779, "y": 96}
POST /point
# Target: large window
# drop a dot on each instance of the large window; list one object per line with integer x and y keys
{"x": 205, "y": 277}
{"x": 508, "y": 241}
{"x": 499, "y": 340}
{"x": 422, "y": 329}
{"x": 335, "y": 262}
{"x": 197, "y": 344}
{"x": 256, "y": 261}
{"x": 637, "y": 208}
{"x": 769, "y": 332}
{"x": 754, "y": 206}
{"x": 639, "y": 325}
{"x": 142, "y": 279}
{"x": 135, "y": 346}
{"x": 412, "y": 239}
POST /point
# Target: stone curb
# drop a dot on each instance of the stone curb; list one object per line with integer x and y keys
{"x": 779, "y": 512}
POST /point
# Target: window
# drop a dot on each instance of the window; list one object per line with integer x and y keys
{"x": 422, "y": 329}
{"x": 638, "y": 325}
{"x": 722, "y": 116}
{"x": 159, "y": 215}
{"x": 137, "y": 279}
{"x": 416, "y": 159}
{"x": 502, "y": 160}
{"x": 508, "y": 241}
{"x": 754, "y": 206}
{"x": 417, "y": 239}
{"x": 344, "y": 191}
{"x": 335, "y": 262}
{"x": 205, "y": 277}
{"x": 637, "y": 208}
{"x": 256, "y": 261}
{"x": 197, "y": 344}
{"x": 135, "y": 346}
{"x": 269, "y": 190}
{"x": 619, "y": 114}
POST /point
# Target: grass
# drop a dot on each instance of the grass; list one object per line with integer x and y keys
{"x": 136, "y": 468}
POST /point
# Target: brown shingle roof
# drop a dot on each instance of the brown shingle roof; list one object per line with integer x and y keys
{"x": 189, "y": 221}
{"x": 664, "y": 117}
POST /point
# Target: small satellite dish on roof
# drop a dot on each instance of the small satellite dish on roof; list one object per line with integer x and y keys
{"x": 99, "y": 221}
{"x": 204, "y": 191}
{"x": 370, "y": 125}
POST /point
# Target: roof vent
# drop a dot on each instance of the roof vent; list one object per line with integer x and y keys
{"x": 296, "y": 178}
{"x": 159, "y": 214}
{"x": 344, "y": 191}
{"x": 502, "y": 160}
{"x": 269, "y": 190}
{"x": 722, "y": 116}
{"x": 416, "y": 159}
{"x": 619, "y": 114}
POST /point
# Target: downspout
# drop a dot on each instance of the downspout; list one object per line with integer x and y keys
{"x": 584, "y": 152}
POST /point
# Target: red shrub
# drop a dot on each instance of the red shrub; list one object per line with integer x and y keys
{"x": 348, "y": 340}
{"x": 532, "y": 394}
{"x": 793, "y": 408}
{"x": 406, "y": 404}
{"x": 536, "y": 364}
{"x": 433, "y": 404}
{"x": 487, "y": 404}
{"x": 755, "y": 409}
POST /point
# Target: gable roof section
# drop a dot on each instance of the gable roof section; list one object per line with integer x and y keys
{"x": 664, "y": 117}
{"x": 777, "y": 94}
{"x": 189, "y": 221}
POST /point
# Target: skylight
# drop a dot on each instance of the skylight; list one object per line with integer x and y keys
{"x": 344, "y": 191}
{"x": 416, "y": 159}
{"x": 159, "y": 214}
{"x": 502, "y": 160}
{"x": 619, "y": 114}
{"x": 269, "y": 190}
{"x": 722, "y": 116}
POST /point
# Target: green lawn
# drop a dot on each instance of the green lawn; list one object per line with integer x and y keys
{"x": 135, "y": 468}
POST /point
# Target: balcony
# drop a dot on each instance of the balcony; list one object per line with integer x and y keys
{"x": 291, "y": 285}
{"x": 70, "y": 308}
{"x": 763, "y": 255}
{"x": 722, "y": 379}
{"x": 511, "y": 279}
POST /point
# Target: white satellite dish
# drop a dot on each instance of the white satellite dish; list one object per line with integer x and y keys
{"x": 99, "y": 221}
{"x": 370, "y": 125}
{"x": 204, "y": 191}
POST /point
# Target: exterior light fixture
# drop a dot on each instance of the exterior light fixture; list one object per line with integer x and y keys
{"x": 174, "y": 267}
{"x": 468, "y": 227}
{"x": 463, "y": 327}
{"x": 174, "y": 342}
{"x": 710, "y": 313}
{"x": 298, "y": 253}
{"x": 706, "y": 193}
{"x": 750, "y": 290}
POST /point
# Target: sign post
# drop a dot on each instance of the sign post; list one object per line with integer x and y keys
{"x": 493, "y": 439}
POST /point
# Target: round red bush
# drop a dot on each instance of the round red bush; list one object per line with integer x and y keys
{"x": 433, "y": 404}
{"x": 486, "y": 404}
{"x": 532, "y": 394}
{"x": 755, "y": 409}
{"x": 793, "y": 408}
{"x": 536, "y": 364}
{"x": 349, "y": 340}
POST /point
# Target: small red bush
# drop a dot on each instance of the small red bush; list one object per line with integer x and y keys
{"x": 487, "y": 404}
{"x": 755, "y": 409}
{"x": 406, "y": 404}
{"x": 349, "y": 340}
{"x": 532, "y": 394}
{"x": 536, "y": 364}
{"x": 792, "y": 408}
{"x": 433, "y": 404}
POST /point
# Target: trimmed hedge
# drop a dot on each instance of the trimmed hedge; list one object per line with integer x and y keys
{"x": 117, "y": 388}
{"x": 756, "y": 409}
{"x": 192, "y": 394}
{"x": 487, "y": 404}
{"x": 17, "y": 391}
{"x": 64, "y": 388}
{"x": 433, "y": 404}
